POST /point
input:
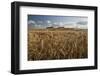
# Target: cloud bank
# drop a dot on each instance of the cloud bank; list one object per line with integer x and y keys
{"x": 41, "y": 22}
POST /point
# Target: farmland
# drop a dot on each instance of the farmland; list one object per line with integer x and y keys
{"x": 51, "y": 44}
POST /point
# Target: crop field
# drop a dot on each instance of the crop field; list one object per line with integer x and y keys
{"x": 51, "y": 44}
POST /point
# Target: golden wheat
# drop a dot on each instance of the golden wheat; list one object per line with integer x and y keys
{"x": 57, "y": 44}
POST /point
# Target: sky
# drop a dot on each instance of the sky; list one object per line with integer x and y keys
{"x": 44, "y": 21}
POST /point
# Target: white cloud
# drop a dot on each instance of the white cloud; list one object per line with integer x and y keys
{"x": 48, "y": 21}
{"x": 55, "y": 23}
{"x": 69, "y": 26}
{"x": 82, "y": 26}
{"x": 31, "y": 22}
{"x": 61, "y": 24}
{"x": 75, "y": 26}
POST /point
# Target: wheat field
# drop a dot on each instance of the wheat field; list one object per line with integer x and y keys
{"x": 47, "y": 44}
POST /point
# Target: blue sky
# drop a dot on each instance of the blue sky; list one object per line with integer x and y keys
{"x": 43, "y": 21}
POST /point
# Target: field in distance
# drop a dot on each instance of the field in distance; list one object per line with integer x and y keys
{"x": 57, "y": 43}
